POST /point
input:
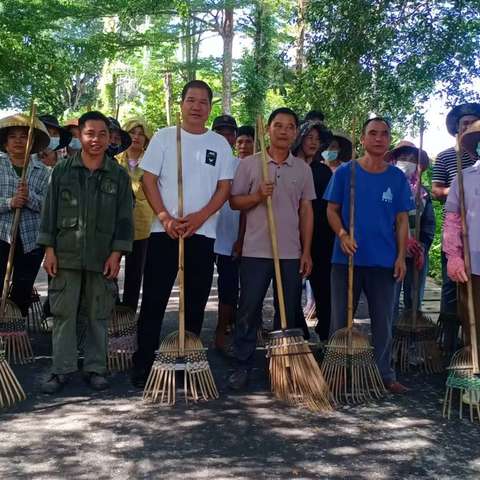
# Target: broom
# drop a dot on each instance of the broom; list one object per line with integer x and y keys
{"x": 349, "y": 366}
{"x": 295, "y": 376}
{"x": 180, "y": 351}
{"x": 414, "y": 342}
{"x": 13, "y": 331}
{"x": 10, "y": 389}
{"x": 122, "y": 338}
{"x": 464, "y": 370}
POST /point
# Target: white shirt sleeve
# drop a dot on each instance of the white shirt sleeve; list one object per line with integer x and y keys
{"x": 228, "y": 165}
{"x": 153, "y": 158}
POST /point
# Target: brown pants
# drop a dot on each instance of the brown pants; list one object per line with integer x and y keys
{"x": 463, "y": 308}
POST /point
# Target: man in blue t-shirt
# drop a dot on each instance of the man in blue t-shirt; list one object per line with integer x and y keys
{"x": 382, "y": 201}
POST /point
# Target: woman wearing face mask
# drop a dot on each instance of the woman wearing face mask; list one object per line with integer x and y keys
{"x": 74, "y": 145}
{"x": 312, "y": 139}
{"x": 27, "y": 195}
{"x": 59, "y": 139}
{"x": 405, "y": 157}
{"x": 142, "y": 213}
{"x": 339, "y": 150}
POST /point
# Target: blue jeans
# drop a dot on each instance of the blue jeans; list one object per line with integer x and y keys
{"x": 378, "y": 284}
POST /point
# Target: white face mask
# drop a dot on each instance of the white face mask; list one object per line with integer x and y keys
{"x": 75, "y": 144}
{"x": 408, "y": 168}
{"x": 54, "y": 143}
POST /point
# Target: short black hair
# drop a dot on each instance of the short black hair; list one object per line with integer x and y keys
{"x": 93, "y": 115}
{"x": 284, "y": 110}
{"x": 197, "y": 84}
{"x": 375, "y": 119}
{"x": 314, "y": 115}
{"x": 247, "y": 130}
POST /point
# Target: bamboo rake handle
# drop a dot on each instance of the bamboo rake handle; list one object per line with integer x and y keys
{"x": 18, "y": 211}
{"x": 351, "y": 232}
{"x": 181, "y": 246}
{"x": 272, "y": 227}
{"x": 416, "y": 273}
{"x": 466, "y": 256}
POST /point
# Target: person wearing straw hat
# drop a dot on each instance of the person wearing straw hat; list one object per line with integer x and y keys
{"x": 405, "y": 157}
{"x": 86, "y": 227}
{"x": 28, "y": 196}
{"x": 208, "y": 168}
{"x": 452, "y": 230}
{"x": 382, "y": 201}
{"x": 59, "y": 140}
{"x": 292, "y": 191}
{"x": 74, "y": 145}
{"x": 444, "y": 171}
{"x": 142, "y": 212}
{"x": 339, "y": 150}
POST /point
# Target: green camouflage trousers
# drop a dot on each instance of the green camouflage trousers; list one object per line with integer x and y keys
{"x": 80, "y": 295}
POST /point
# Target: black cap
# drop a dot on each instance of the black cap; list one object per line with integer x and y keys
{"x": 64, "y": 134}
{"x": 224, "y": 121}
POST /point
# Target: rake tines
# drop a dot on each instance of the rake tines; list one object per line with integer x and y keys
{"x": 415, "y": 345}
{"x": 13, "y": 333}
{"x": 198, "y": 381}
{"x": 122, "y": 338}
{"x": 350, "y": 369}
{"x": 10, "y": 389}
{"x": 462, "y": 380}
{"x": 35, "y": 318}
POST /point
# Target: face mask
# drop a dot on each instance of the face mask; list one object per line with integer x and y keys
{"x": 113, "y": 149}
{"x": 478, "y": 149}
{"x": 54, "y": 143}
{"x": 75, "y": 144}
{"x": 330, "y": 155}
{"x": 408, "y": 168}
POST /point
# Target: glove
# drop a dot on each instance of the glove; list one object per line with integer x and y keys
{"x": 456, "y": 269}
{"x": 419, "y": 260}
{"x": 414, "y": 247}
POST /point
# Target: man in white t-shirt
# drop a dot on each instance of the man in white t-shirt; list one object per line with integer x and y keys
{"x": 208, "y": 169}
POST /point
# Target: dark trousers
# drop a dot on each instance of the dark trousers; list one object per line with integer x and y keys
{"x": 158, "y": 279}
{"x": 227, "y": 282}
{"x": 448, "y": 303}
{"x": 320, "y": 282}
{"x": 255, "y": 277}
{"x": 134, "y": 266}
{"x": 378, "y": 285}
{"x": 25, "y": 270}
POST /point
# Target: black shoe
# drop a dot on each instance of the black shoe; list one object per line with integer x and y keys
{"x": 54, "y": 383}
{"x": 238, "y": 380}
{"x": 96, "y": 381}
{"x": 139, "y": 378}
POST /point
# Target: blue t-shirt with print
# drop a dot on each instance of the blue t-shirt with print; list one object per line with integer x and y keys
{"x": 379, "y": 197}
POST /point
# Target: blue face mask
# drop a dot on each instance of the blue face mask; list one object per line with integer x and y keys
{"x": 478, "y": 149}
{"x": 330, "y": 155}
{"x": 54, "y": 143}
{"x": 75, "y": 144}
{"x": 113, "y": 150}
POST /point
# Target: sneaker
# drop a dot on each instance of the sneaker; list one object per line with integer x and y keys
{"x": 96, "y": 381}
{"x": 54, "y": 383}
{"x": 396, "y": 388}
{"x": 238, "y": 380}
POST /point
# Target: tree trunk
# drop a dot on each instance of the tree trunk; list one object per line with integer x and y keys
{"x": 168, "y": 97}
{"x": 227, "y": 36}
{"x": 300, "y": 53}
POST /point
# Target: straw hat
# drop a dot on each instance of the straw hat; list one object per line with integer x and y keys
{"x": 471, "y": 137}
{"x": 456, "y": 113}
{"x": 41, "y": 139}
{"x": 407, "y": 147}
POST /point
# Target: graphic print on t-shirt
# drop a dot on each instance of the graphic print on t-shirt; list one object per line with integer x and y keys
{"x": 387, "y": 196}
{"x": 211, "y": 158}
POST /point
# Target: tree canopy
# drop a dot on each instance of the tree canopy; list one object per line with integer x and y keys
{"x": 345, "y": 57}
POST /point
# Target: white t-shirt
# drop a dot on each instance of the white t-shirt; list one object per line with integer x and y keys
{"x": 227, "y": 227}
{"x": 206, "y": 159}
